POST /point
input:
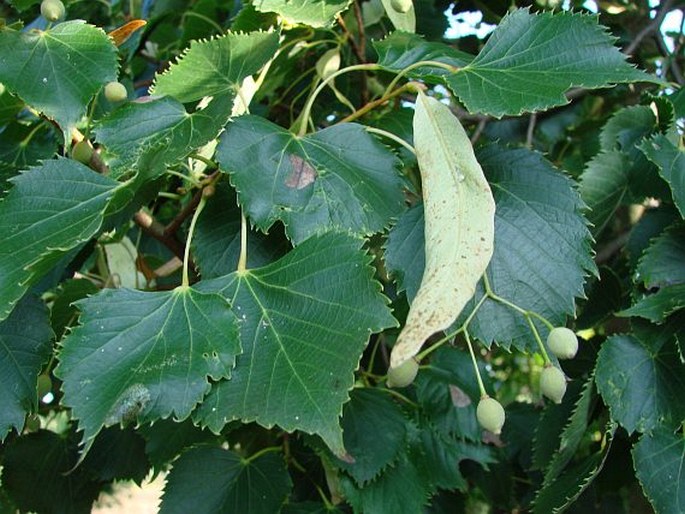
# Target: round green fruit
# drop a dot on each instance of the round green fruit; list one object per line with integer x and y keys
{"x": 52, "y": 10}
{"x": 563, "y": 343}
{"x": 401, "y": 5}
{"x": 404, "y": 374}
{"x": 553, "y": 383}
{"x": 115, "y": 92}
{"x": 490, "y": 414}
{"x": 82, "y": 152}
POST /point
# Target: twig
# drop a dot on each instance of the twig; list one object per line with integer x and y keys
{"x": 654, "y": 25}
{"x": 364, "y": 93}
{"x": 531, "y": 129}
{"x": 353, "y": 43}
{"x": 173, "y": 226}
{"x": 373, "y": 104}
{"x": 671, "y": 60}
{"x": 611, "y": 248}
{"x": 155, "y": 229}
{"x": 479, "y": 130}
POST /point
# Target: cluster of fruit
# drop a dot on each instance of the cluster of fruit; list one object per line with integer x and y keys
{"x": 562, "y": 342}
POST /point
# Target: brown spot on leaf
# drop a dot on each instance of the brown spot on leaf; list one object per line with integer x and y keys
{"x": 459, "y": 397}
{"x": 301, "y": 174}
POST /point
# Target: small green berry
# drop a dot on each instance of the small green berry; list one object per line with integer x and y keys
{"x": 401, "y": 6}
{"x": 404, "y": 374}
{"x": 328, "y": 63}
{"x": 490, "y": 414}
{"x": 115, "y": 92}
{"x": 82, "y": 152}
{"x": 563, "y": 342}
{"x": 553, "y": 383}
{"x": 52, "y": 10}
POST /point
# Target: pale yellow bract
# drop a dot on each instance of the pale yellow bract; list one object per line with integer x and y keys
{"x": 459, "y": 225}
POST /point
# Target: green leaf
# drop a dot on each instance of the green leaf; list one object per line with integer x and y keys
{"x": 671, "y": 163}
{"x": 652, "y": 223}
{"x": 216, "y": 481}
{"x": 50, "y": 210}
{"x": 309, "y": 508}
{"x": 557, "y": 495}
{"x": 216, "y": 241}
{"x": 459, "y": 214}
{"x": 603, "y": 186}
{"x": 57, "y": 71}
{"x": 217, "y": 66}
{"x": 336, "y": 178}
{"x": 368, "y": 411}
{"x": 305, "y": 321}
{"x": 656, "y": 307}
{"x": 161, "y": 125}
{"x": 140, "y": 355}
{"x": 25, "y": 345}
{"x": 531, "y": 60}
{"x": 663, "y": 263}
{"x": 400, "y": 50}
{"x": 644, "y": 386}
{"x": 659, "y": 460}
{"x": 542, "y": 246}
{"x": 315, "y": 13}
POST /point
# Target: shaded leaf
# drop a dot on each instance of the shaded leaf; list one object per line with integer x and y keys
{"x": 216, "y": 241}
{"x": 154, "y": 352}
{"x": 658, "y": 306}
{"x": 315, "y": 13}
{"x": 36, "y": 475}
{"x": 367, "y": 412}
{"x": 57, "y": 71}
{"x": 25, "y": 345}
{"x": 216, "y": 481}
{"x": 166, "y": 438}
{"x": 659, "y": 460}
{"x": 304, "y": 322}
{"x": 448, "y": 392}
{"x": 22, "y": 146}
{"x": 459, "y": 213}
{"x": 9, "y": 106}
{"x": 404, "y": 253}
{"x": 117, "y": 455}
{"x": 50, "y": 210}
{"x": 643, "y": 385}
{"x": 339, "y": 177}
{"x": 663, "y": 263}
{"x": 217, "y": 66}
{"x": 402, "y": 488}
{"x": 531, "y": 60}
{"x": 557, "y": 495}
{"x": 603, "y": 186}
{"x": 671, "y": 163}
{"x": 573, "y": 432}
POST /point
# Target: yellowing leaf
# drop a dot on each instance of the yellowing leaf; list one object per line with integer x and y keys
{"x": 459, "y": 225}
